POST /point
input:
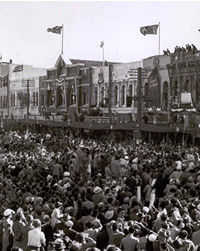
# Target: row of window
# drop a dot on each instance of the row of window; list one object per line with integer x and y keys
{"x": 122, "y": 99}
{"x": 34, "y": 100}
{"x": 3, "y": 101}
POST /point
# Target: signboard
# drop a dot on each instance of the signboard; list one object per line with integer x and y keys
{"x": 31, "y": 82}
{"x": 186, "y": 98}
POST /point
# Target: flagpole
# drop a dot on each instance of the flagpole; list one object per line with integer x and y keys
{"x": 159, "y": 40}
{"x": 62, "y": 39}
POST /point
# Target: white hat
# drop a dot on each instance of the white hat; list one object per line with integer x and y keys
{"x": 152, "y": 237}
{"x": 126, "y": 157}
{"x": 97, "y": 189}
{"x": 69, "y": 223}
{"x": 135, "y": 160}
{"x": 8, "y": 212}
{"x": 146, "y": 209}
{"x": 109, "y": 214}
{"x": 66, "y": 174}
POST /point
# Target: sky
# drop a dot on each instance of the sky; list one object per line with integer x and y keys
{"x": 25, "y": 40}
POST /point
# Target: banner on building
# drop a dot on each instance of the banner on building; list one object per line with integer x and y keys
{"x": 186, "y": 98}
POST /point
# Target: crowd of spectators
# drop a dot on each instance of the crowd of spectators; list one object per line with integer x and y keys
{"x": 177, "y": 50}
{"x": 60, "y": 192}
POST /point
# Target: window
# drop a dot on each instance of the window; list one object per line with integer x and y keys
{"x": 95, "y": 95}
{"x": 33, "y": 98}
{"x": 102, "y": 95}
{"x": 130, "y": 91}
{"x": 59, "y": 96}
{"x": 50, "y": 97}
{"x": 4, "y": 101}
{"x": 129, "y": 96}
{"x": 84, "y": 98}
{"x": 12, "y": 100}
{"x": 42, "y": 100}
{"x": 146, "y": 89}
{"x": 36, "y": 99}
{"x": 123, "y": 95}
{"x": 116, "y": 95}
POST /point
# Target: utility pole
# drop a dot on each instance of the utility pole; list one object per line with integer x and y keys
{"x": 110, "y": 93}
{"x": 28, "y": 101}
{"x": 139, "y": 95}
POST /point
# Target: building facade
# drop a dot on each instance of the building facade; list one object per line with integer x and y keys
{"x": 66, "y": 88}
{"x": 24, "y": 90}
{"x": 157, "y": 83}
{"x": 4, "y": 77}
{"x": 119, "y": 79}
{"x": 184, "y": 72}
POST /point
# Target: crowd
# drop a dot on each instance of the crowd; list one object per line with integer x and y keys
{"x": 60, "y": 192}
{"x": 187, "y": 49}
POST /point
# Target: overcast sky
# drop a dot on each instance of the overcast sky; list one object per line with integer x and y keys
{"x": 25, "y": 40}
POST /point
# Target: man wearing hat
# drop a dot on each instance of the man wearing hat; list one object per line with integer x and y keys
{"x": 36, "y": 238}
{"x": 98, "y": 195}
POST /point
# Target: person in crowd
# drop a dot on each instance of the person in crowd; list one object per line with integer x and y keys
{"x": 65, "y": 192}
{"x": 36, "y": 238}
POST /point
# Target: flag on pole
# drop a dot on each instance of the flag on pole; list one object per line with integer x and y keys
{"x": 150, "y": 29}
{"x": 18, "y": 68}
{"x": 56, "y": 29}
{"x": 102, "y": 44}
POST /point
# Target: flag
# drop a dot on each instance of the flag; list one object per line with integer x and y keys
{"x": 0, "y": 56}
{"x": 56, "y": 29}
{"x": 102, "y": 44}
{"x": 18, "y": 68}
{"x": 151, "y": 29}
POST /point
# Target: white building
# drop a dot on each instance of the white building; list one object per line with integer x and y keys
{"x": 24, "y": 79}
{"x": 124, "y": 87}
{"x": 4, "y": 70}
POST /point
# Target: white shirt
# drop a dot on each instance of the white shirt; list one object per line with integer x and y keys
{"x": 36, "y": 238}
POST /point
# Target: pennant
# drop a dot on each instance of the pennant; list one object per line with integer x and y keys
{"x": 151, "y": 29}
{"x": 56, "y": 29}
{"x": 102, "y": 44}
{"x": 18, "y": 68}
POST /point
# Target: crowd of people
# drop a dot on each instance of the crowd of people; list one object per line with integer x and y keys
{"x": 61, "y": 192}
{"x": 177, "y": 50}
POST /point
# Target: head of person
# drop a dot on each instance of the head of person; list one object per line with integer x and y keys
{"x": 183, "y": 234}
{"x": 93, "y": 249}
{"x": 162, "y": 236}
{"x": 36, "y": 223}
{"x": 112, "y": 248}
